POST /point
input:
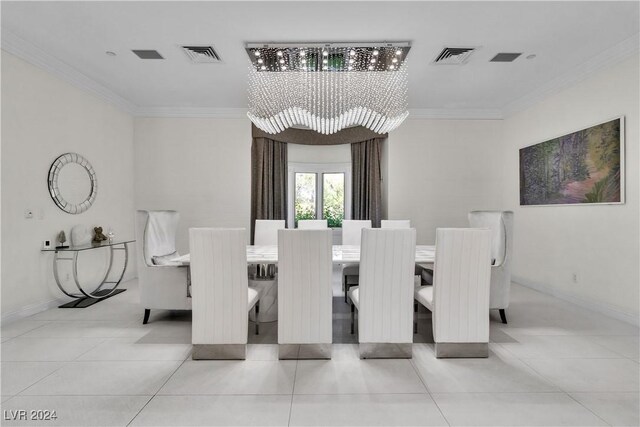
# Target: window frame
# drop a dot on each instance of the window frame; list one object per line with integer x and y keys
{"x": 318, "y": 169}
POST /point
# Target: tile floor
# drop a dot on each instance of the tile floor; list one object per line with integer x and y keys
{"x": 553, "y": 364}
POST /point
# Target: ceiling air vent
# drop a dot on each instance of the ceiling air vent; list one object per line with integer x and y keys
{"x": 505, "y": 57}
{"x": 148, "y": 54}
{"x": 454, "y": 55}
{"x": 202, "y": 54}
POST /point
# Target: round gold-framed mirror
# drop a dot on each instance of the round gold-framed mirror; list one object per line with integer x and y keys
{"x": 73, "y": 184}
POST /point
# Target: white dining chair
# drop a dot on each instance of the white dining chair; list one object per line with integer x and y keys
{"x": 221, "y": 295}
{"x": 163, "y": 283}
{"x": 501, "y": 225}
{"x": 304, "y": 294}
{"x": 266, "y": 231}
{"x": 351, "y": 235}
{"x": 459, "y": 296}
{"x": 395, "y": 223}
{"x": 312, "y": 224}
{"x": 384, "y": 298}
{"x": 264, "y": 276}
{"x": 402, "y": 224}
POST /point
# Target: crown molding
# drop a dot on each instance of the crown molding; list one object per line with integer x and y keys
{"x": 193, "y": 112}
{"x": 610, "y": 57}
{"x": 454, "y": 114}
{"x": 34, "y": 55}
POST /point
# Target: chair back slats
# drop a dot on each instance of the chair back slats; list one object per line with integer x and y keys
{"x": 219, "y": 285}
{"x": 386, "y": 285}
{"x": 462, "y": 272}
{"x": 304, "y": 286}
{"x": 351, "y": 231}
{"x": 266, "y": 231}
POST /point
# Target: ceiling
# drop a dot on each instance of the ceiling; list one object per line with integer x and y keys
{"x": 562, "y": 35}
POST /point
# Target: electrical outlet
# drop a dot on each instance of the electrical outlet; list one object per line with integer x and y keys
{"x": 575, "y": 278}
{"x": 28, "y": 214}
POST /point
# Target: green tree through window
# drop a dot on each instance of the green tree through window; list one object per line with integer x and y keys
{"x": 333, "y": 199}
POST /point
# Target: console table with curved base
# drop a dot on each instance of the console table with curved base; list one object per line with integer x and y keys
{"x": 85, "y": 297}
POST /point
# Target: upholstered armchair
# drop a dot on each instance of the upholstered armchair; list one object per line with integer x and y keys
{"x": 305, "y": 296}
{"x": 222, "y": 297}
{"x": 385, "y": 295}
{"x": 351, "y": 233}
{"x": 163, "y": 283}
{"x": 459, "y": 296}
{"x": 501, "y": 225}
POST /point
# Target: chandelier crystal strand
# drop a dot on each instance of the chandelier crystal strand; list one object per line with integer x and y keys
{"x": 348, "y": 89}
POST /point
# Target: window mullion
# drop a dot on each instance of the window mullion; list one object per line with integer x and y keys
{"x": 320, "y": 194}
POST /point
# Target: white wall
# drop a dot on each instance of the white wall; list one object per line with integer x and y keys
{"x": 42, "y": 118}
{"x": 298, "y": 153}
{"x": 199, "y": 167}
{"x": 439, "y": 170}
{"x": 597, "y": 243}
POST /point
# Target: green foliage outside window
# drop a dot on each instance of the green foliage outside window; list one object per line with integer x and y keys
{"x": 333, "y": 198}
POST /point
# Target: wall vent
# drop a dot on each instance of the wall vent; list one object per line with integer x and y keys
{"x": 454, "y": 55}
{"x": 202, "y": 54}
{"x": 148, "y": 54}
{"x": 505, "y": 57}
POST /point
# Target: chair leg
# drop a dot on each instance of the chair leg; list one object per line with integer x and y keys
{"x": 503, "y": 316}
{"x": 415, "y": 317}
{"x": 353, "y": 313}
{"x": 345, "y": 289}
{"x": 257, "y": 309}
{"x": 147, "y": 312}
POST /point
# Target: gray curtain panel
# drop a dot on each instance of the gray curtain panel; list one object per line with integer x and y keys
{"x": 367, "y": 181}
{"x": 268, "y": 180}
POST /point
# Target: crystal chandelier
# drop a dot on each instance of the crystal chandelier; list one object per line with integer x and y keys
{"x": 328, "y": 87}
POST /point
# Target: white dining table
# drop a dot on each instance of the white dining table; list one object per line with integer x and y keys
{"x": 342, "y": 254}
{"x": 268, "y": 254}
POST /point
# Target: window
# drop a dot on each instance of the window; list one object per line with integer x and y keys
{"x": 319, "y": 191}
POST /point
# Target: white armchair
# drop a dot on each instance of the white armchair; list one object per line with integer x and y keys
{"x": 305, "y": 297}
{"x": 501, "y": 225}
{"x": 385, "y": 296}
{"x": 459, "y": 296}
{"x": 222, "y": 297}
{"x": 351, "y": 234}
{"x": 163, "y": 284}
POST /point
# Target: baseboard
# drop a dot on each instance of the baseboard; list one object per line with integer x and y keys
{"x": 30, "y": 310}
{"x": 36, "y": 308}
{"x": 600, "y": 307}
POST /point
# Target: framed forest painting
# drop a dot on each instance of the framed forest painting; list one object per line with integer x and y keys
{"x": 582, "y": 167}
